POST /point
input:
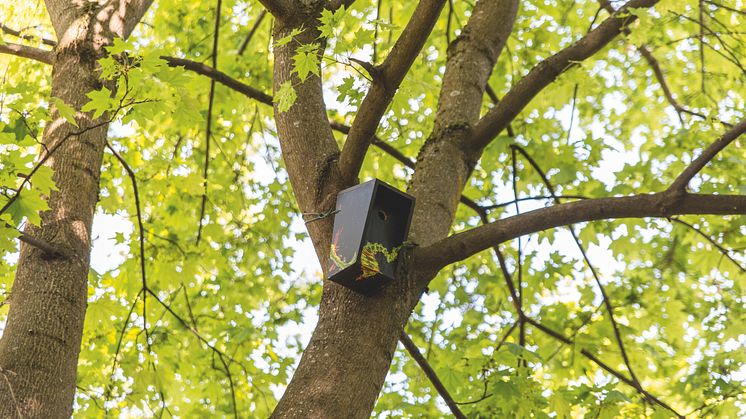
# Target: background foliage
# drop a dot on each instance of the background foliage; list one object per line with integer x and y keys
{"x": 245, "y": 301}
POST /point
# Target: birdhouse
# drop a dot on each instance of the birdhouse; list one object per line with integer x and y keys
{"x": 371, "y": 224}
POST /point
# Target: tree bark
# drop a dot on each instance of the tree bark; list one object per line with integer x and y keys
{"x": 344, "y": 366}
{"x": 40, "y": 345}
{"x": 41, "y": 342}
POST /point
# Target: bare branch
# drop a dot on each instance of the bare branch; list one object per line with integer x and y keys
{"x": 548, "y": 70}
{"x": 19, "y": 34}
{"x": 50, "y": 249}
{"x": 596, "y": 277}
{"x": 385, "y": 83}
{"x": 141, "y": 236}
{"x": 682, "y": 181}
{"x": 208, "y": 130}
{"x": 220, "y": 77}
{"x": 462, "y": 245}
{"x": 725, "y": 252}
{"x": 251, "y": 33}
{"x": 431, "y": 375}
{"x": 25, "y": 51}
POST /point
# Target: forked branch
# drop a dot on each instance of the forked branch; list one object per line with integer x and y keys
{"x": 707, "y": 155}
{"x": 548, "y": 70}
{"x": 386, "y": 81}
{"x": 462, "y": 245}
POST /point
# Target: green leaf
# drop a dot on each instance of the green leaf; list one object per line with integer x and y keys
{"x": 285, "y": 96}
{"x": 329, "y": 21}
{"x": 286, "y": 39}
{"x": 100, "y": 102}
{"x": 28, "y": 205}
{"x": 306, "y": 61}
{"x": 66, "y": 111}
{"x": 43, "y": 180}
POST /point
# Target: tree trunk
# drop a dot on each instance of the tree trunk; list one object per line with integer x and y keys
{"x": 344, "y": 366}
{"x": 41, "y": 341}
{"x": 39, "y": 348}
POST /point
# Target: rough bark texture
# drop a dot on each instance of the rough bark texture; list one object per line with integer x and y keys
{"x": 40, "y": 345}
{"x": 352, "y": 330}
{"x": 41, "y": 341}
{"x": 345, "y": 364}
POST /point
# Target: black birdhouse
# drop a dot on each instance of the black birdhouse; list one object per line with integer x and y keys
{"x": 371, "y": 223}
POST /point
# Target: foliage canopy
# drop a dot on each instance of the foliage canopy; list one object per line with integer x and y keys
{"x": 229, "y": 299}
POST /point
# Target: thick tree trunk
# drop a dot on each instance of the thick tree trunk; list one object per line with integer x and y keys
{"x": 41, "y": 342}
{"x": 40, "y": 345}
{"x": 345, "y": 364}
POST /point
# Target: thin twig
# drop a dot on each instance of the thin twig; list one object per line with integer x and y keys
{"x": 208, "y": 131}
{"x": 221, "y": 355}
{"x": 251, "y": 33}
{"x": 572, "y": 113}
{"x": 519, "y": 256}
{"x": 431, "y": 375}
{"x": 702, "y": 45}
{"x": 682, "y": 181}
{"x": 138, "y": 209}
{"x": 19, "y": 34}
{"x": 375, "y": 32}
{"x": 712, "y": 241}
{"x": 532, "y": 198}
{"x": 119, "y": 344}
{"x": 606, "y": 299}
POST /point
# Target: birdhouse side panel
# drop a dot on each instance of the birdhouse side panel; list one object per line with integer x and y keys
{"x": 349, "y": 224}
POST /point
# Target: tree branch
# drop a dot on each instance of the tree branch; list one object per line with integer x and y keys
{"x": 621, "y": 377}
{"x": 208, "y": 130}
{"x": 532, "y": 198}
{"x": 462, "y": 245}
{"x": 523, "y": 318}
{"x": 266, "y": 99}
{"x": 49, "y": 249}
{"x": 385, "y": 83}
{"x": 431, "y": 375}
{"x": 655, "y": 66}
{"x": 251, "y": 33}
{"x": 25, "y": 51}
{"x": 725, "y": 252}
{"x": 220, "y": 77}
{"x": 548, "y": 70}
{"x": 707, "y": 155}
{"x": 141, "y": 237}
{"x": 596, "y": 277}
{"x": 19, "y": 34}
